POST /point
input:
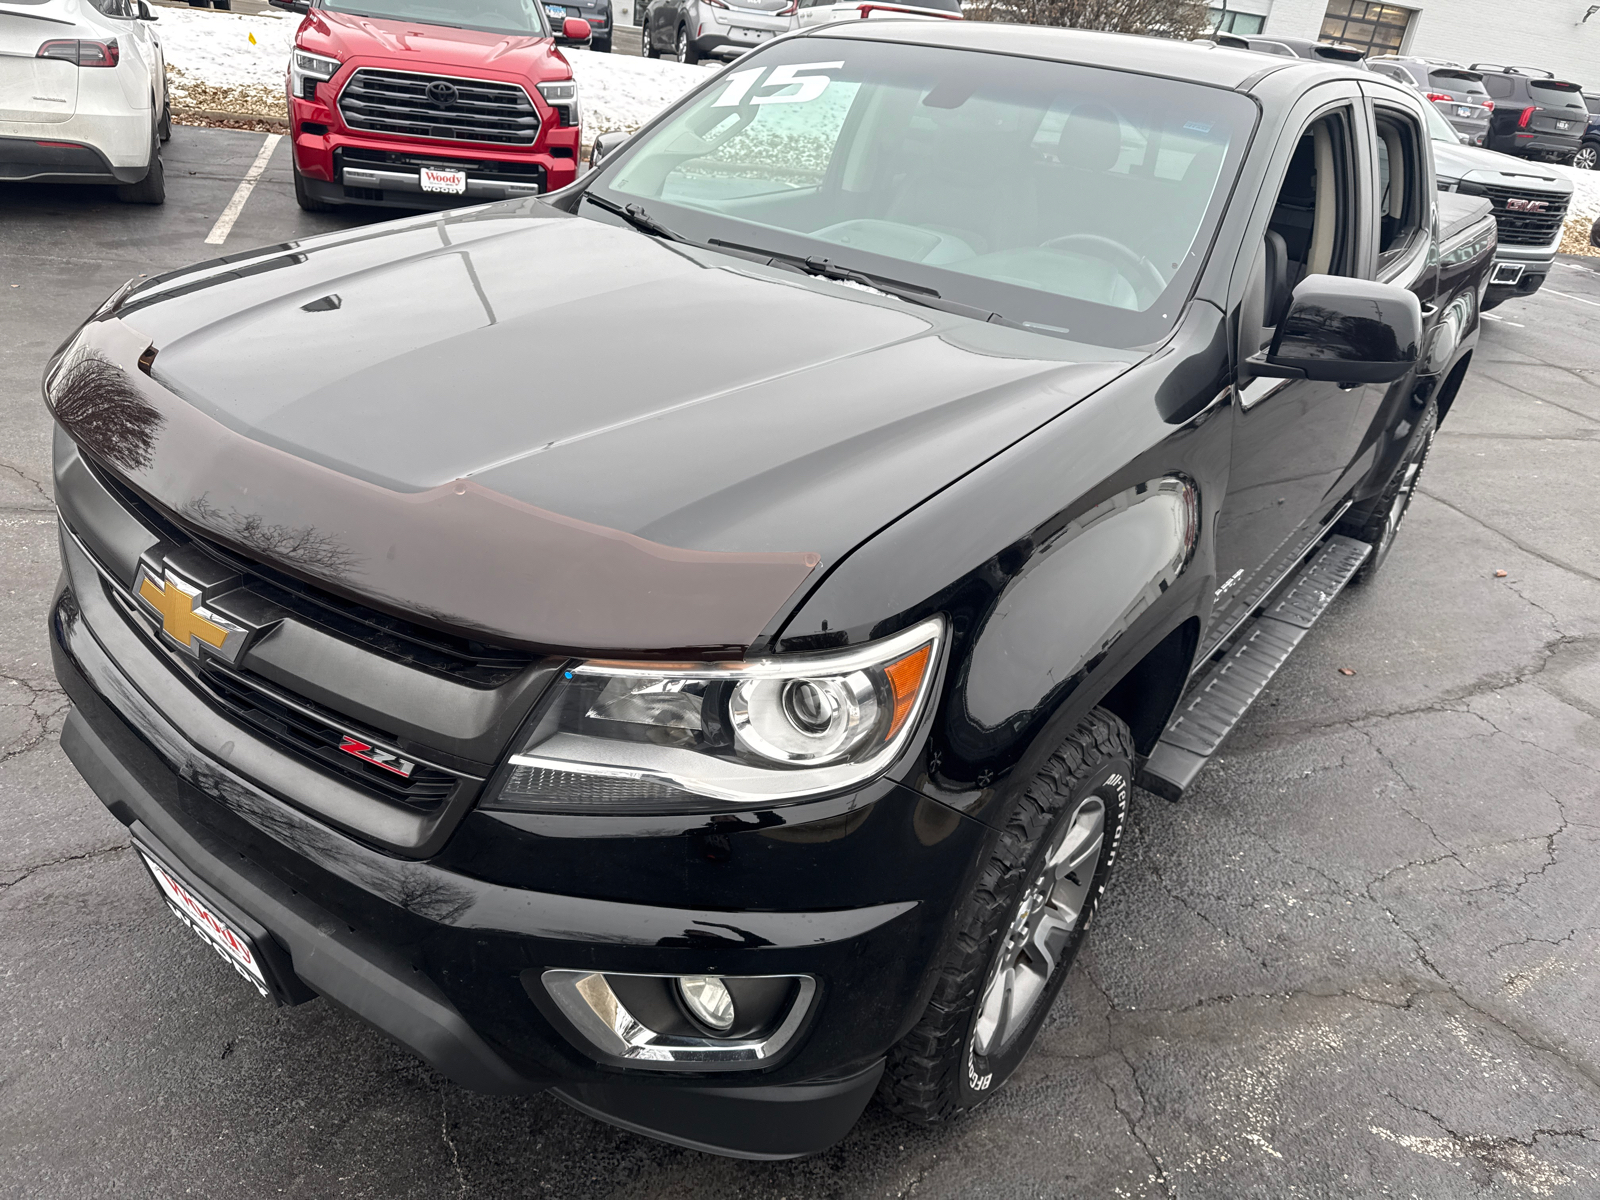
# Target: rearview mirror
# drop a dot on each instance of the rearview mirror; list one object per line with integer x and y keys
{"x": 294, "y": 6}
{"x": 1344, "y": 331}
{"x": 604, "y": 145}
{"x": 574, "y": 32}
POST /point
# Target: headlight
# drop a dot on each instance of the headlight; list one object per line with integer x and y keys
{"x": 642, "y": 736}
{"x": 562, "y": 95}
{"x": 306, "y": 70}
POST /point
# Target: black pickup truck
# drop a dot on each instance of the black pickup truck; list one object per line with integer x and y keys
{"x": 739, "y": 718}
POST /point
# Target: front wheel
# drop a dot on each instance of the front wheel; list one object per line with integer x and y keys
{"x": 1378, "y": 523}
{"x": 686, "y": 50}
{"x": 649, "y": 43}
{"x": 1020, "y": 929}
{"x": 1587, "y": 158}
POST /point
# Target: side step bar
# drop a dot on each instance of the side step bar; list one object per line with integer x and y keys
{"x": 1210, "y": 710}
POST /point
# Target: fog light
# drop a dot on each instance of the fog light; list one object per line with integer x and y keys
{"x": 706, "y": 997}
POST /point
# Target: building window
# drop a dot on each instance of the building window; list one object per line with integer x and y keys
{"x": 1223, "y": 21}
{"x": 1374, "y": 28}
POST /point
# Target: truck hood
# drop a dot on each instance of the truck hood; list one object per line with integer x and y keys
{"x": 416, "y": 46}
{"x": 587, "y": 374}
{"x": 1454, "y": 162}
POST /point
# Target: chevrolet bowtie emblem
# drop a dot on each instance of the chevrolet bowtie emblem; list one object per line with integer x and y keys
{"x": 184, "y": 619}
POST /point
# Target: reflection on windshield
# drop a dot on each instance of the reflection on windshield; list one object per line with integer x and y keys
{"x": 491, "y": 16}
{"x": 975, "y": 175}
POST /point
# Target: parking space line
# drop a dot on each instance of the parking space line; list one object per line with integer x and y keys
{"x": 1579, "y": 299}
{"x": 219, "y": 231}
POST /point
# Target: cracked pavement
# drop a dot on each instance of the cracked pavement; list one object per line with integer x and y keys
{"x": 1359, "y": 960}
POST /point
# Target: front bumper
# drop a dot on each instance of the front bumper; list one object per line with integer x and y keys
{"x": 438, "y": 955}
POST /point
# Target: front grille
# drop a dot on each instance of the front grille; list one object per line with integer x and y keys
{"x": 434, "y": 106}
{"x": 1525, "y": 228}
{"x": 300, "y": 729}
{"x": 298, "y": 726}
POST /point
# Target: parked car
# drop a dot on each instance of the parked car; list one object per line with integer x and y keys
{"x": 1458, "y": 94}
{"x": 1535, "y": 114}
{"x": 83, "y": 96}
{"x": 697, "y": 29}
{"x": 481, "y": 108}
{"x": 718, "y": 739}
{"x": 597, "y": 14}
{"x": 1530, "y": 206}
{"x": 1588, "y": 155}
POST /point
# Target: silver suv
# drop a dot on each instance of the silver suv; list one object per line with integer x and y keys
{"x": 1456, "y": 92}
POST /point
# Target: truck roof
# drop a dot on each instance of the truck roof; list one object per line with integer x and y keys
{"x": 1201, "y": 62}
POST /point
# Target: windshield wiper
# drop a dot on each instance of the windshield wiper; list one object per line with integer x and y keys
{"x": 914, "y": 293}
{"x": 636, "y": 216}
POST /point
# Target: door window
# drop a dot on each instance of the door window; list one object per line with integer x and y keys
{"x": 1401, "y": 182}
{"x": 1498, "y": 86}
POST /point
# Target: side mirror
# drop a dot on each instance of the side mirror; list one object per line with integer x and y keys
{"x": 294, "y": 6}
{"x": 574, "y": 32}
{"x": 1344, "y": 331}
{"x": 605, "y": 145}
{"x": 146, "y": 13}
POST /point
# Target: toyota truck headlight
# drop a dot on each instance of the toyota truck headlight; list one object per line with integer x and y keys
{"x": 645, "y": 736}
{"x": 306, "y": 70}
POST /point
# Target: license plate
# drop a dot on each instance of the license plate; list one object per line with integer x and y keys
{"x": 1463, "y": 111}
{"x": 754, "y": 35}
{"x": 556, "y": 11}
{"x": 452, "y": 183}
{"x": 185, "y": 901}
{"x": 1563, "y": 126}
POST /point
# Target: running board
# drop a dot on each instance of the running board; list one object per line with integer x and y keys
{"x": 1213, "y": 708}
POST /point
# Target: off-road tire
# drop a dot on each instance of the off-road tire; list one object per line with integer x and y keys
{"x": 305, "y": 199}
{"x": 152, "y": 189}
{"x": 687, "y": 54}
{"x": 933, "y": 1074}
{"x": 1371, "y": 522}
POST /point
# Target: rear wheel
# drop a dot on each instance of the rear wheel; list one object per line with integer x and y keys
{"x": 1020, "y": 929}
{"x": 1587, "y": 158}
{"x": 686, "y": 51}
{"x": 604, "y": 47}
{"x": 1378, "y": 523}
{"x": 152, "y": 189}
{"x": 304, "y": 198}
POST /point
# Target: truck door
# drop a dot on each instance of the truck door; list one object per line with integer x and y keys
{"x": 1405, "y": 250}
{"x": 1292, "y": 439}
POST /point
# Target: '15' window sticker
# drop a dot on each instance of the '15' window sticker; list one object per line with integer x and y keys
{"x": 808, "y": 87}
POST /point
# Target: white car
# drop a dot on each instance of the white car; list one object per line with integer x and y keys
{"x": 83, "y": 95}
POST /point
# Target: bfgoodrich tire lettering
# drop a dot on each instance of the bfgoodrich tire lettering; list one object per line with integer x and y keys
{"x": 946, "y": 1064}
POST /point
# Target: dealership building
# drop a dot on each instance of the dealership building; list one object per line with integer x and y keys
{"x": 1559, "y": 36}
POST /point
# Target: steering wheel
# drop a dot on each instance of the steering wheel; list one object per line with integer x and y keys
{"x": 1140, "y": 274}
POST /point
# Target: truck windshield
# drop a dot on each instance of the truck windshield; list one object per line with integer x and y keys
{"x": 1070, "y": 198}
{"x": 492, "y": 16}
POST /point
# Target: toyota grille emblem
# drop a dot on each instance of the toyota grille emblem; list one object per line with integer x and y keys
{"x": 442, "y": 93}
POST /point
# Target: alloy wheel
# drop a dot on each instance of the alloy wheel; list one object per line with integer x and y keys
{"x": 683, "y": 45}
{"x": 1587, "y": 158}
{"x": 1050, "y": 911}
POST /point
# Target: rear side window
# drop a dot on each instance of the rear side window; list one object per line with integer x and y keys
{"x": 1594, "y": 104}
{"x": 1556, "y": 95}
{"x": 1498, "y": 86}
{"x": 1456, "y": 81}
{"x": 1401, "y": 202}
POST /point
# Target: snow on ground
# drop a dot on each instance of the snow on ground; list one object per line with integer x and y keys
{"x": 1582, "y": 212}
{"x": 228, "y": 62}
{"x": 621, "y": 92}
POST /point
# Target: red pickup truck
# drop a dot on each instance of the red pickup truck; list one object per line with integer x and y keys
{"x": 413, "y": 104}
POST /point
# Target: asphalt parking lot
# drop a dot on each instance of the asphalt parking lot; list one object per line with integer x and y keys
{"x": 1360, "y": 959}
